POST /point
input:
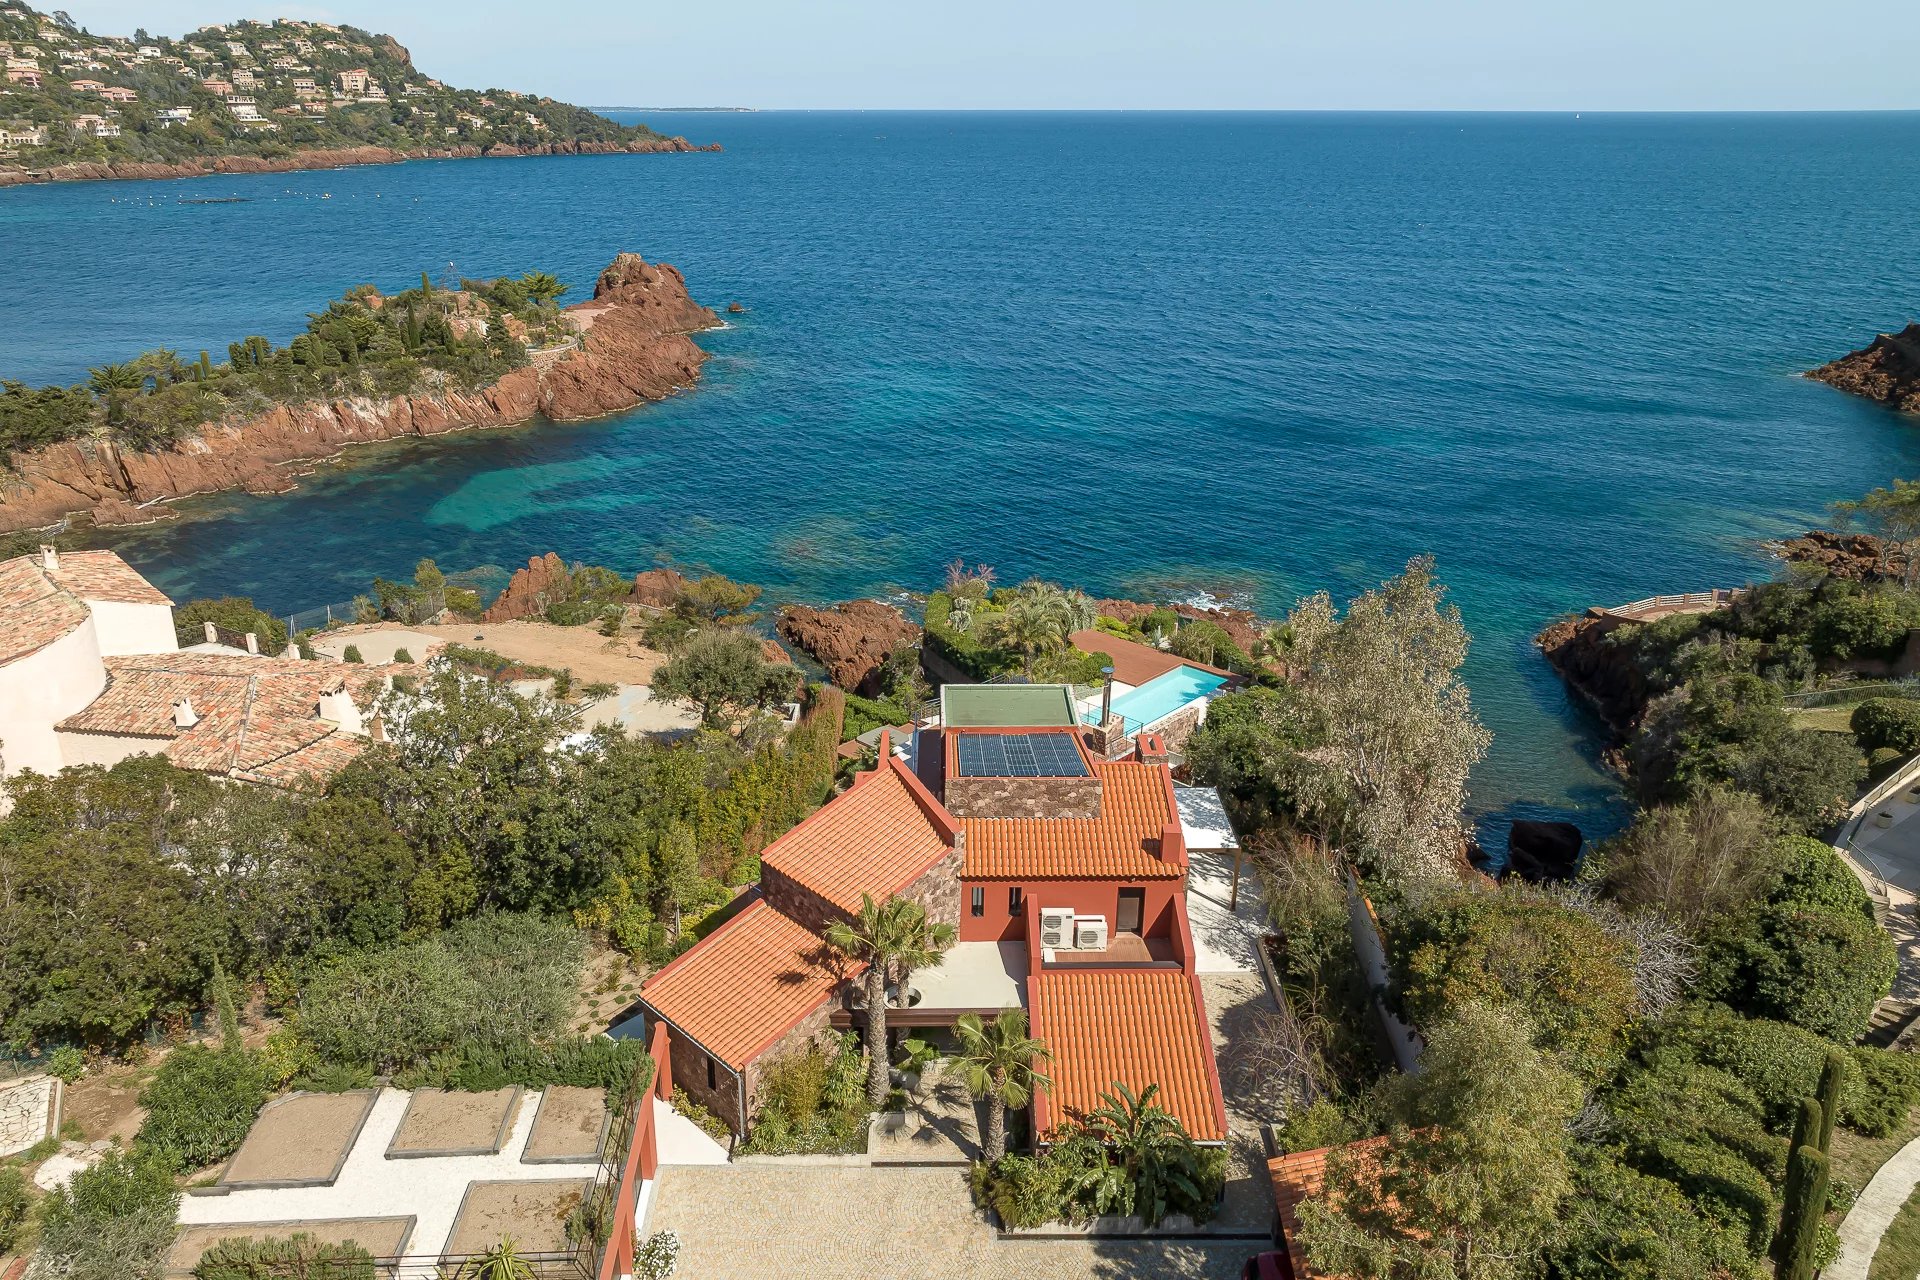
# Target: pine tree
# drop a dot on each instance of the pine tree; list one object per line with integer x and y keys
{"x": 224, "y": 1007}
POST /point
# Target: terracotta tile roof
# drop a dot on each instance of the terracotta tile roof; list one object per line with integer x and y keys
{"x": 1135, "y": 663}
{"x": 1136, "y": 804}
{"x": 102, "y": 575}
{"x": 258, "y": 717}
{"x": 1127, "y": 1026}
{"x": 1297, "y": 1177}
{"x": 34, "y": 612}
{"x": 747, "y": 983}
{"x": 876, "y": 838}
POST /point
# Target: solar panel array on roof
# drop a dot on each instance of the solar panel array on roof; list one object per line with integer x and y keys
{"x": 1018, "y": 755}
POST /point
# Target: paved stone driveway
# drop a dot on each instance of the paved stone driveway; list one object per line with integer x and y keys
{"x": 889, "y": 1224}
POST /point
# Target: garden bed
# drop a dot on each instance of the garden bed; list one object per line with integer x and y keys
{"x": 533, "y": 1213}
{"x": 442, "y": 1122}
{"x": 381, "y": 1237}
{"x": 301, "y": 1140}
{"x": 570, "y": 1124}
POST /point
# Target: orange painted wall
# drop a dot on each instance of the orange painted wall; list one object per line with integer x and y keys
{"x": 1086, "y": 897}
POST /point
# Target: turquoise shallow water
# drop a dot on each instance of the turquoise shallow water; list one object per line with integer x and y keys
{"x": 1253, "y": 354}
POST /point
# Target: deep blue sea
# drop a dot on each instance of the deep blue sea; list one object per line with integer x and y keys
{"x": 1257, "y": 355}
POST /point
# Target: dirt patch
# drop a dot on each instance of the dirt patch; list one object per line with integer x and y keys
{"x": 533, "y": 1213}
{"x": 442, "y": 1122}
{"x": 104, "y": 1105}
{"x": 571, "y": 1124}
{"x": 300, "y": 1140}
{"x": 381, "y": 1237}
{"x": 591, "y": 656}
{"x": 609, "y": 986}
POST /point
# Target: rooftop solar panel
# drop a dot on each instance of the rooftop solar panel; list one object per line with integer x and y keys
{"x": 1018, "y": 755}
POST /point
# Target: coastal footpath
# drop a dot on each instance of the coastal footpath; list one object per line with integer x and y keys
{"x": 328, "y": 158}
{"x": 632, "y": 347}
{"x": 1887, "y": 370}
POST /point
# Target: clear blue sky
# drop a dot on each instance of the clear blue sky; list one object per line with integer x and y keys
{"x": 1657, "y": 55}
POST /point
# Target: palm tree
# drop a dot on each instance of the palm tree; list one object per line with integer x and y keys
{"x": 502, "y": 1262}
{"x": 1031, "y": 625}
{"x": 163, "y": 366}
{"x": 1151, "y": 1149}
{"x": 1000, "y": 1062}
{"x": 889, "y": 935}
{"x": 112, "y": 381}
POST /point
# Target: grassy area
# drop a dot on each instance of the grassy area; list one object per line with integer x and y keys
{"x": 1834, "y": 719}
{"x": 1899, "y": 1251}
{"x": 1856, "y": 1159}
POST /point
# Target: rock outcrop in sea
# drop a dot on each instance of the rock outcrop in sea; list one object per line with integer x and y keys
{"x": 1887, "y": 370}
{"x": 851, "y": 640}
{"x": 1858, "y": 556}
{"x": 634, "y": 348}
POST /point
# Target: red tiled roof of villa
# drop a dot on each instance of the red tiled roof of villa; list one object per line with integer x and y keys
{"x": 103, "y": 575}
{"x": 1135, "y": 663}
{"x": 34, "y": 611}
{"x": 258, "y": 717}
{"x": 1297, "y": 1177}
{"x": 747, "y": 983}
{"x": 1127, "y": 1026}
{"x": 876, "y": 838}
{"x": 1136, "y": 806}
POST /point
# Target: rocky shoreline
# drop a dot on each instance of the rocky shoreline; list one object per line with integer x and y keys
{"x": 334, "y": 158}
{"x": 635, "y": 348}
{"x": 1887, "y": 370}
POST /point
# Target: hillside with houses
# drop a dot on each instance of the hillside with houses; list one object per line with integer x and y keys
{"x": 268, "y": 90}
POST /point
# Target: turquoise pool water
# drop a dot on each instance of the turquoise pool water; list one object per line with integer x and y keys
{"x": 1164, "y": 695}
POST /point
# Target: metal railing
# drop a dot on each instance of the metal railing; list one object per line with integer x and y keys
{"x": 1840, "y": 695}
{"x": 1715, "y": 599}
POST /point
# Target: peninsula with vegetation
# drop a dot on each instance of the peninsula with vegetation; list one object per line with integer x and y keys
{"x": 250, "y": 97}
{"x": 372, "y": 366}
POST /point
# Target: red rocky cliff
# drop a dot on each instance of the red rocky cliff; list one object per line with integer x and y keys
{"x": 634, "y": 348}
{"x": 850, "y": 640}
{"x": 1887, "y": 370}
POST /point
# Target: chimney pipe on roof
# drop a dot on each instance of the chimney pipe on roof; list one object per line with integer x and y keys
{"x": 1151, "y": 748}
{"x": 49, "y": 558}
{"x": 253, "y": 644}
{"x": 211, "y": 632}
{"x": 1106, "y": 695}
{"x": 184, "y": 716}
{"x": 337, "y": 708}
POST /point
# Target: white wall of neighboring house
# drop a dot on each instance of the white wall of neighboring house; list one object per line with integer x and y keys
{"x": 133, "y": 628}
{"x": 105, "y": 749}
{"x": 44, "y": 688}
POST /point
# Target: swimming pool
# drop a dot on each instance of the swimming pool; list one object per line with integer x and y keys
{"x": 1163, "y": 695}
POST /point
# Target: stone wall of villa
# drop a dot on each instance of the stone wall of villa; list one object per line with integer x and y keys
{"x": 1023, "y": 797}
{"x": 1178, "y": 727}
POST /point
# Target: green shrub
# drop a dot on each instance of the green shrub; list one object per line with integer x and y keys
{"x": 867, "y": 714}
{"x": 233, "y": 614}
{"x": 351, "y": 654}
{"x": 14, "y": 1203}
{"x": 811, "y": 1102}
{"x": 402, "y": 655}
{"x": 1779, "y": 1062}
{"x": 298, "y": 1255}
{"x": 201, "y": 1104}
{"x": 111, "y": 1222}
{"x": 710, "y": 1124}
{"x": 66, "y": 1064}
{"x": 1885, "y": 1091}
{"x": 1621, "y": 1224}
{"x": 1208, "y": 642}
{"x": 1887, "y": 723}
{"x": 1162, "y": 622}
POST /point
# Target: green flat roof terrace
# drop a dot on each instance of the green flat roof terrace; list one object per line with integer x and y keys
{"x": 1006, "y": 706}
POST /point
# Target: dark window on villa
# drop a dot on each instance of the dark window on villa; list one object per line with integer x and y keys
{"x": 1015, "y": 900}
{"x": 710, "y": 1078}
{"x": 979, "y": 902}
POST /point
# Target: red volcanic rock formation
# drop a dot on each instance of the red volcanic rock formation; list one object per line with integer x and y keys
{"x": 1844, "y": 555}
{"x": 529, "y": 590}
{"x": 1239, "y": 624}
{"x": 850, "y": 640}
{"x": 634, "y": 348}
{"x": 1598, "y": 672}
{"x": 657, "y": 587}
{"x": 328, "y": 158}
{"x": 1887, "y": 370}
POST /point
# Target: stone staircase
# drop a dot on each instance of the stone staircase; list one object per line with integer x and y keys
{"x": 1890, "y": 1022}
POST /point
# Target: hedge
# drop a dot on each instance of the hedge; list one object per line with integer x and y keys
{"x": 201, "y": 1104}
{"x": 1887, "y": 723}
{"x": 299, "y": 1255}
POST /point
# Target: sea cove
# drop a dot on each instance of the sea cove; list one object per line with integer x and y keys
{"x": 1249, "y": 354}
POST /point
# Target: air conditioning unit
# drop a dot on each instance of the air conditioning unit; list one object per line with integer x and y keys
{"x": 1090, "y": 933}
{"x": 1056, "y": 927}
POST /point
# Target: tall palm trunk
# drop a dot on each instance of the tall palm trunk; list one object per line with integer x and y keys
{"x": 996, "y": 1142}
{"x": 877, "y": 1034}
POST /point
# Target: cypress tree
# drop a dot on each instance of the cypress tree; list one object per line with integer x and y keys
{"x": 223, "y": 1003}
{"x": 205, "y": 367}
{"x": 1802, "y": 1216}
{"x": 1833, "y": 1074}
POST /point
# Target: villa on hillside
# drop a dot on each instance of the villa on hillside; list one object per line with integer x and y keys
{"x": 91, "y": 672}
{"x": 1151, "y": 691}
{"x": 1063, "y": 873}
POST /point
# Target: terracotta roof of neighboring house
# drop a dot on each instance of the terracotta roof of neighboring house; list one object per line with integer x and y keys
{"x": 747, "y": 983}
{"x": 102, "y": 575}
{"x": 258, "y": 717}
{"x": 34, "y": 612}
{"x": 1124, "y": 841}
{"x": 1127, "y": 1026}
{"x": 876, "y": 838}
{"x": 1135, "y": 663}
{"x": 1297, "y": 1177}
